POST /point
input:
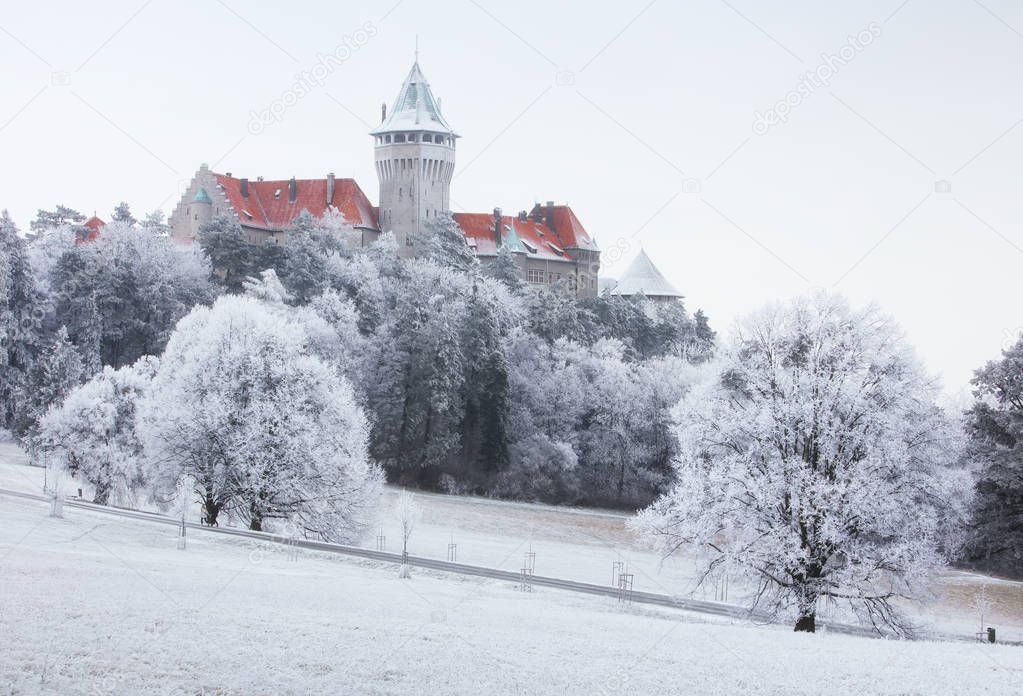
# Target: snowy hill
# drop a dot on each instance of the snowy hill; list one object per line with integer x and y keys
{"x": 93, "y": 604}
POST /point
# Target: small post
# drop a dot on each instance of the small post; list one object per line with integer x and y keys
{"x": 181, "y": 535}
{"x": 56, "y": 505}
{"x": 292, "y": 550}
{"x": 452, "y": 551}
{"x": 381, "y": 541}
{"x": 530, "y": 561}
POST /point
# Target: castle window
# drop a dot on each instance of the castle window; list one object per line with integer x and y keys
{"x": 412, "y": 137}
{"x": 400, "y": 138}
{"x": 535, "y": 275}
{"x": 387, "y": 138}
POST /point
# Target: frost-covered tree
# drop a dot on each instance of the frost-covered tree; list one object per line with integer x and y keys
{"x": 54, "y": 373}
{"x": 995, "y": 428}
{"x": 408, "y": 512}
{"x": 816, "y": 461}
{"x": 442, "y": 241}
{"x": 415, "y": 374}
{"x": 122, "y": 214}
{"x": 136, "y": 283}
{"x": 233, "y": 257}
{"x": 23, "y": 309}
{"x": 58, "y": 217}
{"x": 92, "y": 433}
{"x": 156, "y": 222}
{"x": 257, "y": 425}
{"x": 505, "y": 268}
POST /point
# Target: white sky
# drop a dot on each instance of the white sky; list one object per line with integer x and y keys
{"x": 124, "y": 99}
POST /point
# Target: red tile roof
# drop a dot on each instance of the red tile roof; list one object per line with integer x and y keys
{"x": 263, "y": 209}
{"x": 535, "y": 232}
{"x": 92, "y": 227}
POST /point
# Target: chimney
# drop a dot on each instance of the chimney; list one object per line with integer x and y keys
{"x": 292, "y": 190}
{"x": 245, "y": 188}
{"x": 550, "y": 216}
{"x": 229, "y": 175}
{"x": 497, "y": 227}
{"x": 383, "y": 113}
{"x": 522, "y": 216}
{"x": 330, "y": 188}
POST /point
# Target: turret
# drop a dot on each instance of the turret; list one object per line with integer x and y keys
{"x": 415, "y": 160}
{"x": 199, "y": 211}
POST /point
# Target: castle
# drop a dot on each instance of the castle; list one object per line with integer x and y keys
{"x": 414, "y": 149}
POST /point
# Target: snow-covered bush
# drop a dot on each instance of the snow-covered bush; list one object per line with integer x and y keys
{"x": 257, "y": 425}
{"x": 817, "y": 462}
{"x": 92, "y": 433}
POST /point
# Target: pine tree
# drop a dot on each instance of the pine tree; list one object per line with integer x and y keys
{"x": 494, "y": 406}
{"x": 122, "y": 213}
{"x": 995, "y": 428}
{"x": 231, "y": 255}
{"x": 54, "y": 374}
{"x": 61, "y": 215}
{"x": 441, "y": 240}
{"x": 505, "y": 268}
{"x": 23, "y": 310}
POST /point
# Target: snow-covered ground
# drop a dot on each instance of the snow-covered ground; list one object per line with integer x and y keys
{"x": 582, "y": 545}
{"x": 98, "y": 605}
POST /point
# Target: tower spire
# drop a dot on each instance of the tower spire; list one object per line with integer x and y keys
{"x": 417, "y": 48}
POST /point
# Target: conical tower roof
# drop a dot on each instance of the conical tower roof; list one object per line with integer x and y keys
{"x": 415, "y": 108}
{"x": 642, "y": 276}
{"x": 512, "y": 240}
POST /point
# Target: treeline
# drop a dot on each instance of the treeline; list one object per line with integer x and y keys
{"x": 476, "y": 382}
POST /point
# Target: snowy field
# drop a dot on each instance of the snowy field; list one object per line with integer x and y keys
{"x": 583, "y": 545}
{"x": 96, "y": 605}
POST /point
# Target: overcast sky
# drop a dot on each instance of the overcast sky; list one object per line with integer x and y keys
{"x": 640, "y": 115}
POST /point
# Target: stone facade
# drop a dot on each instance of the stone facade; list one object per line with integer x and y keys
{"x": 414, "y": 149}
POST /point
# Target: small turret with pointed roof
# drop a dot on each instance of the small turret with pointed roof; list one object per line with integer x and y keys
{"x": 643, "y": 277}
{"x": 415, "y": 160}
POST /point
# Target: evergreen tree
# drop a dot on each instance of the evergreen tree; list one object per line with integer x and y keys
{"x": 23, "y": 309}
{"x": 122, "y": 213}
{"x": 55, "y": 372}
{"x": 129, "y": 286}
{"x": 231, "y": 255}
{"x": 61, "y": 215}
{"x": 995, "y": 428}
{"x": 505, "y": 269}
{"x": 442, "y": 241}
{"x": 494, "y": 397}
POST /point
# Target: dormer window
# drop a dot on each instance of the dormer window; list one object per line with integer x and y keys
{"x": 277, "y": 194}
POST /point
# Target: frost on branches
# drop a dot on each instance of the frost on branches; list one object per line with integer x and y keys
{"x": 816, "y": 461}
{"x": 258, "y": 426}
{"x": 92, "y": 434}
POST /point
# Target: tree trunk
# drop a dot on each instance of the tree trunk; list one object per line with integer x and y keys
{"x": 102, "y": 496}
{"x": 807, "y": 623}
{"x": 212, "y": 511}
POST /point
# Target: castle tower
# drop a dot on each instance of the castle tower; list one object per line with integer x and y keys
{"x": 415, "y": 159}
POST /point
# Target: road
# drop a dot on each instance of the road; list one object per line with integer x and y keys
{"x": 663, "y": 600}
